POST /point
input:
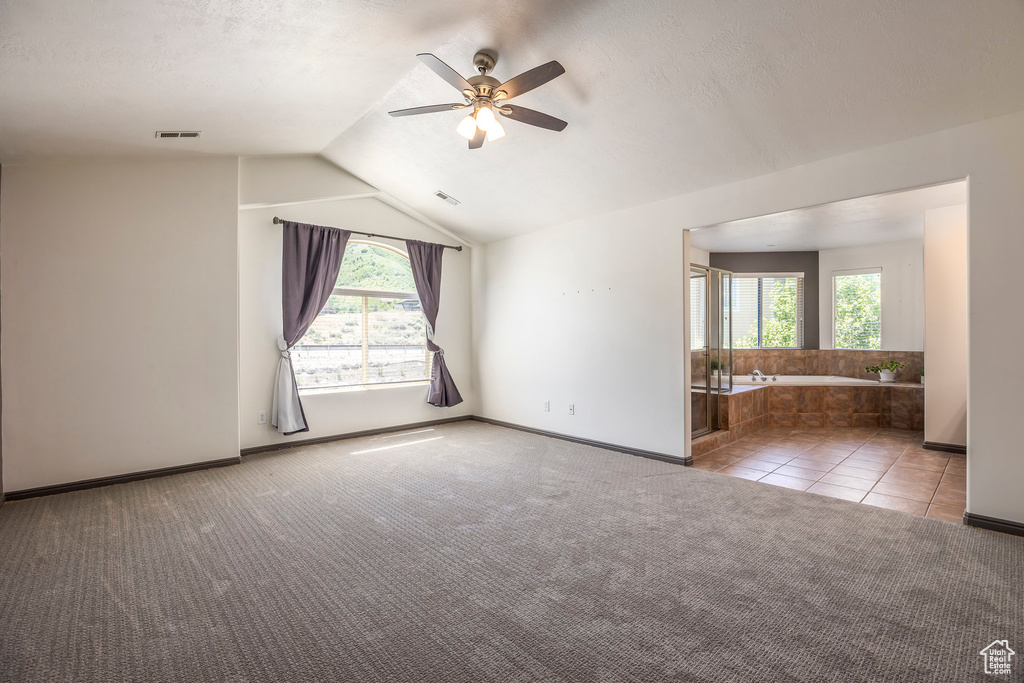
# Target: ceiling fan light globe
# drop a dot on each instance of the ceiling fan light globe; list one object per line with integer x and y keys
{"x": 495, "y": 132}
{"x": 485, "y": 119}
{"x": 467, "y": 127}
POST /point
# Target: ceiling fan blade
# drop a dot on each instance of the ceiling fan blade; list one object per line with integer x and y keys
{"x": 427, "y": 110}
{"x": 534, "y": 118}
{"x": 478, "y": 140}
{"x": 534, "y": 78}
{"x": 446, "y": 72}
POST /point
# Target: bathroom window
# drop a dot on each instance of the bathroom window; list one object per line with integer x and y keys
{"x": 372, "y": 329}
{"x": 767, "y": 310}
{"x": 857, "y": 309}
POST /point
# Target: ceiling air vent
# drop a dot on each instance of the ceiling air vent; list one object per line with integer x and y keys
{"x": 447, "y": 197}
{"x": 178, "y": 133}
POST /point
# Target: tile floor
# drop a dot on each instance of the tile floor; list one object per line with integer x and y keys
{"x": 882, "y": 467}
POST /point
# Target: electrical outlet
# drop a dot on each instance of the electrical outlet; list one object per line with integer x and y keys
{"x": 572, "y": 408}
{"x": 547, "y": 406}
{"x": 261, "y": 417}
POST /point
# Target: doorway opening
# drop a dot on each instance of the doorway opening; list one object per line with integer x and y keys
{"x": 825, "y": 304}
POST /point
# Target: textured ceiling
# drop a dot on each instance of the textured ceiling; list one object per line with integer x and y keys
{"x": 877, "y": 219}
{"x": 662, "y": 97}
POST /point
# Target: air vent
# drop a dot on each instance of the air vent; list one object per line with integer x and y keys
{"x": 447, "y": 197}
{"x": 178, "y": 133}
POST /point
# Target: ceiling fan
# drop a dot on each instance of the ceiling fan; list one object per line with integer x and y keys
{"x": 487, "y": 95}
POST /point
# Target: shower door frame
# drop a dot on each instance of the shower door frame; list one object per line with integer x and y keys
{"x": 721, "y": 280}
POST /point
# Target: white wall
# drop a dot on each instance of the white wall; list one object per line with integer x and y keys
{"x": 587, "y": 315}
{"x": 119, "y": 317}
{"x": 627, "y": 363}
{"x": 902, "y": 265}
{"x": 945, "y": 273}
{"x": 699, "y": 256}
{"x": 346, "y": 411}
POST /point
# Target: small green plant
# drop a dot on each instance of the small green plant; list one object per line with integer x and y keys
{"x": 887, "y": 365}
{"x": 921, "y": 372}
{"x": 714, "y": 365}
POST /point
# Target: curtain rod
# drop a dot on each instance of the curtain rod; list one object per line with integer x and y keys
{"x": 370, "y": 234}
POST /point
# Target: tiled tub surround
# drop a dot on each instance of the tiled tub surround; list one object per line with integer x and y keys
{"x": 751, "y": 408}
{"x": 881, "y": 467}
{"x": 898, "y": 407}
{"x": 825, "y": 362}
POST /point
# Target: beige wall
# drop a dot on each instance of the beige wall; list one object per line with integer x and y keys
{"x": 349, "y": 410}
{"x": 628, "y": 365}
{"x": 119, "y": 317}
{"x": 945, "y": 262}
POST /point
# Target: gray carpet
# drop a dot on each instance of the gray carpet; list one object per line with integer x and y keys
{"x": 491, "y": 555}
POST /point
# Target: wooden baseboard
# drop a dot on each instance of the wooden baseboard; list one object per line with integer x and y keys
{"x": 944, "y": 447}
{"x": 118, "y": 479}
{"x": 1005, "y": 526}
{"x": 664, "y": 457}
{"x": 350, "y": 435}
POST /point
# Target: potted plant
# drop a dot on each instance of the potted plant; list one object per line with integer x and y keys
{"x": 886, "y": 369}
{"x": 922, "y": 375}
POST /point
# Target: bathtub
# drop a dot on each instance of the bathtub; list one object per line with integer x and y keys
{"x": 805, "y": 380}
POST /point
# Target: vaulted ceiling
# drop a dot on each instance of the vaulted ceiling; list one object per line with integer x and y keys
{"x": 662, "y": 97}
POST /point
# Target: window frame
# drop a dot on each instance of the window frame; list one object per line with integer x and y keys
{"x": 366, "y": 294}
{"x": 801, "y": 311}
{"x": 881, "y": 316}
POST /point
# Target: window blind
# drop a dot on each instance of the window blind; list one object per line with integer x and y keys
{"x": 698, "y": 308}
{"x": 768, "y": 310}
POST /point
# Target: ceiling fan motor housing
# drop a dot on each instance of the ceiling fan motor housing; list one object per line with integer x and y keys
{"x": 485, "y": 85}
{"x": 484, "y": 62}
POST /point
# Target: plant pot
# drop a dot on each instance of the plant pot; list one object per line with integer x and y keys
{"x": 922, "y": 379}
{"x": 887, "y": 375}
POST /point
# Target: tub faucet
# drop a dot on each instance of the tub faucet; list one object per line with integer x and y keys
{"x": 758, "y": 373}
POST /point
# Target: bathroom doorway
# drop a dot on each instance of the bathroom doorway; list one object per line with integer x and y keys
{"x": 824, "y": 299}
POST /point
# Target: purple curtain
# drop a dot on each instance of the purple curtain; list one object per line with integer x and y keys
{"x": 425, "y": 259}
{"x": 311, "y": 259}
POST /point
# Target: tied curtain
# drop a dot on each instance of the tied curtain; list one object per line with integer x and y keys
{"x": 311, "y": 259}
{"x": 425, "y": 259}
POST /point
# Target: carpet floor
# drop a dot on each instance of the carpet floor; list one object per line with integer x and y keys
{"x": 471, "y": 553}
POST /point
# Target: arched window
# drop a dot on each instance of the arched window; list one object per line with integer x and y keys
{"x": 372, "y": 329}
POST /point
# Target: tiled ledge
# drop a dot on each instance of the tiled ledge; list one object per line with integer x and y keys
{"x": 739, "y": 388}
{"x": 843, "y": 363}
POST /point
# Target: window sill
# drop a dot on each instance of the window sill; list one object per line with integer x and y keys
{"x": 362, "y": 387}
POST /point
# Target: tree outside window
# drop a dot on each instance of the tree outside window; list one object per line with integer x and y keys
{"x": 857, "y": 309}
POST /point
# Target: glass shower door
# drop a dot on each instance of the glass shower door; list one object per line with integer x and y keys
{"x": 700, "y": 375}
{"x": 710, "y": 341}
